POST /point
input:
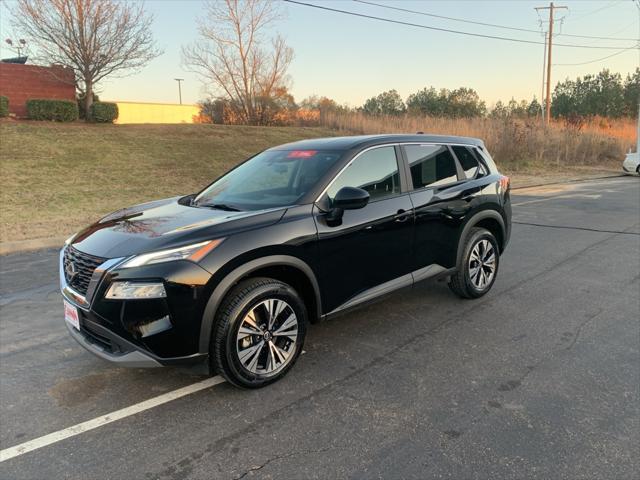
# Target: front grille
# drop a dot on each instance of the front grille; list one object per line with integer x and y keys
{"x": 78, "y": 269}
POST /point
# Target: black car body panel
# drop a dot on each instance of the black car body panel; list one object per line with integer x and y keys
{"x": 165, "y": 224}
{"x": 393, "y": 242}
{"x": 382, "y": 232}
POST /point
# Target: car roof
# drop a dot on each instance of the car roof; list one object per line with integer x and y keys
{"x": 363, "y": 141}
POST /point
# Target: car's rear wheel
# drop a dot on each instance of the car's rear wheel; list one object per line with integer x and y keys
{"x": 259, "y": 332}
{"x": 478, "y": 266}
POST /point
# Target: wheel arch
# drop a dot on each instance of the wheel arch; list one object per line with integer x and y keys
{"x": 489, "y": 219}
{"x": 285, "y": 268}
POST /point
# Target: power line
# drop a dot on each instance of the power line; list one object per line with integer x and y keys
{"x": 612, "y": 4}
{"x": 427, "y": 27}
{"x": 447, "y": 18}
{"x": 598, "y": 59}
{"x": 493, "y": 25}
{"x": 633, "y": 22}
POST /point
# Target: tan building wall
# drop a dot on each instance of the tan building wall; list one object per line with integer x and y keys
{"x": 138, "y": 112}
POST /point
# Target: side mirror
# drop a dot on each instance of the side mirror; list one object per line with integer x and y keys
{"x": 351, "y": 198}
{"x": 347, "y": 198}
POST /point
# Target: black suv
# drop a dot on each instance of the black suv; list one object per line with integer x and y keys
{"x": 295, "y": 234}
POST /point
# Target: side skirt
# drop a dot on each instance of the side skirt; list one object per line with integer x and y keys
{"x": 379, "y": 291}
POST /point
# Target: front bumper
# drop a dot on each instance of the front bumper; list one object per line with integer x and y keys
{"x": 133, "y": 357}
{"x": 98, "y": 334}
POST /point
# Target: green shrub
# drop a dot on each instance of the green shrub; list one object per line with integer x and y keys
{"x": 4, "y": 106}
{"x": 104, "y": 112}
{"x": 57, "y": 110}
{"x": 81, "y": 110}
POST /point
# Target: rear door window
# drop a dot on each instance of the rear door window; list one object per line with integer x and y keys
{"x": 431, "y": 165}
{"x": 468, "y": 161}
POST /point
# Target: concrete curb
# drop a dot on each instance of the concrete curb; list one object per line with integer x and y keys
{"x": 20, "y": 246}
{"x": 573, "y": 180}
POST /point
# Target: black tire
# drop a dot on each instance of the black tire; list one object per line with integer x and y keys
{"x": 224, "y": 347}
{"x": 461, "y": 283}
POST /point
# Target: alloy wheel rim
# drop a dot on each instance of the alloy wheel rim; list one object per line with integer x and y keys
{"x": 482, "y": 264}
{"x": 267, "y": 337}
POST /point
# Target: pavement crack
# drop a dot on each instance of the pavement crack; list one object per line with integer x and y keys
{"x": 280, "y": 457}
{"x": 581, "y": 326}
{"x": 568, "y": 227}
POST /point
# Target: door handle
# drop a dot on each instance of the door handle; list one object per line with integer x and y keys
{"x": 401, "y": 216}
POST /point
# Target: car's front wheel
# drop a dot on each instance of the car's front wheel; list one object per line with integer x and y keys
{"x": 478, "y": 267}
{"x": 259, "y": 332}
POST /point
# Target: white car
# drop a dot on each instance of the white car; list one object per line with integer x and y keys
{"x": 631, "y": 163}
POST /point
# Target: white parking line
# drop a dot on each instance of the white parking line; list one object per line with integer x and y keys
{"x": 54, "y": 437}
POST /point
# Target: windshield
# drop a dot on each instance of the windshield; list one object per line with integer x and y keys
{"x": 273, "y": 178}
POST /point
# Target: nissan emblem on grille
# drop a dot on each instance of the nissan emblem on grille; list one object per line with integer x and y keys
{"x": 70, "y": 271}
{"x": 78, "y": 269}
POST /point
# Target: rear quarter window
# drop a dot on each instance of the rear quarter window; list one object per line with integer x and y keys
{"x": 468, "y": 161}
{"x": 485, "y": 156}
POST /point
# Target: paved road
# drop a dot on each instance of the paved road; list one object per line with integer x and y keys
{"x": 539, "y": 379}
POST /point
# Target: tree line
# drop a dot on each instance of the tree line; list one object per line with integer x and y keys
{"x": 459, "y": 103}
{"x": 604, "y": 94}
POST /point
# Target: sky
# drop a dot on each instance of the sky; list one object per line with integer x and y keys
{"x": 350, "y": 58}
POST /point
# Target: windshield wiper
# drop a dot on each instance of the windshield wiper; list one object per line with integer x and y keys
{"x": 220, "y": 206}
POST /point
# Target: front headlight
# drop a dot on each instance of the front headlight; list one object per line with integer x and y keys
{"x": 193, "y": 252}
{"x": 135, "y": 290}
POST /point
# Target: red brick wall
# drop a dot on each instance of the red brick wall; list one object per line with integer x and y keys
{"x": 23, "y": 82}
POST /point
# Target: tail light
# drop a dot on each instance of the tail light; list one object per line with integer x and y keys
{"x": 504, "y": 183}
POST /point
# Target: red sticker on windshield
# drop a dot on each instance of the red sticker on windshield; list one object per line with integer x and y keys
{"x": 301, "y": 153}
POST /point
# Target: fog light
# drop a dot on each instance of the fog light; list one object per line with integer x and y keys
{"x": 135, "y": 291}
{"x": 157, "y": 326}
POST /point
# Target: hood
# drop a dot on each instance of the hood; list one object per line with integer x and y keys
{"x": 165, "y": 224}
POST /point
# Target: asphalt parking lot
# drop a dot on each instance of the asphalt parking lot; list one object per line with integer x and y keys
{"x": 538, "y": 379}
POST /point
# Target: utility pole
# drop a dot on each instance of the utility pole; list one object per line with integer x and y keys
{"x": 551, "y": 9}
{"x": 544, "y": 73}
{"x": 637, "y": 2}
{"x": 179, "y": 80}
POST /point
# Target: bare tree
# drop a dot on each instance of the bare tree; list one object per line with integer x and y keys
{"x": 96, "y": 38}
{"x": 231, "y": 55}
